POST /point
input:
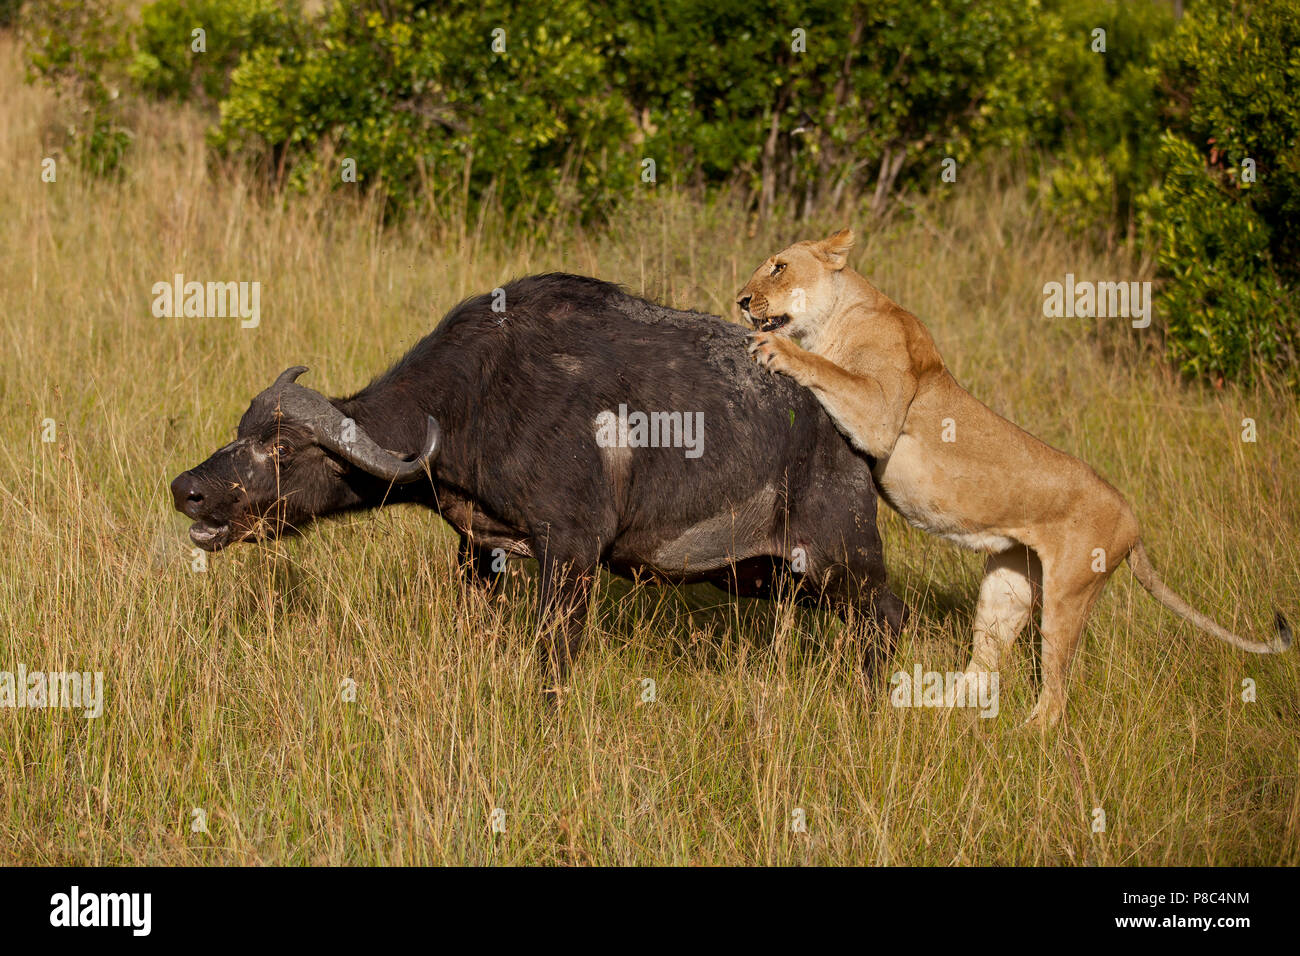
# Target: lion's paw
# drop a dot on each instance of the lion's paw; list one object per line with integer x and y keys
{"x": 770, "y": 351}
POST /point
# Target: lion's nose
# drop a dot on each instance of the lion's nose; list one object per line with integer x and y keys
{"x": 743, "y": 302}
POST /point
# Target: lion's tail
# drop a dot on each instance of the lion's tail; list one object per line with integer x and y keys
{"x": 1149, "y": 579}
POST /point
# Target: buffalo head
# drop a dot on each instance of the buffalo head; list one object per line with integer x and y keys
{"x": 296, "y": 456}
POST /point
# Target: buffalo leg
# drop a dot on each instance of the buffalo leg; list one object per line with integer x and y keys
{"x": 563, "y": 599}
{"x": 847, "y": 573}
{"x": 875, "y": 604}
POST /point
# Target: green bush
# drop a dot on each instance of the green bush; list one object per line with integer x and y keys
{"x": 1229, "y": 252}
{"x": 879, "y": 95}
{"x": 165, "y": 63}
{"x": 1225, "y": 310}
{"x": 1147, "y": 141}
{"x": 871, "y": 95}
{"x": 76, "y": 46}
{"x": 416, "y": 95}
{"x": 806, "y": 102}
{"x": 1102, "y": 121}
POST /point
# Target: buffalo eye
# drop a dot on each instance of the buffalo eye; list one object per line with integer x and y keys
{"x": 778, "y": 268}
{"x": 280, "y": 449}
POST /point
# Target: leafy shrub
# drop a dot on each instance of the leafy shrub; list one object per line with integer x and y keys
{"x": 416, "y": 95}
{"x": 582, "y": 96}
{"x": 1225, "y": 309}
{"x": 877, "y": 97}
{"x": 1102, "y": 124}
{"x": 1147, "y": 141}
{"x": 1229, "y": 249}
{"x": 807, "y": 102}
{"x": 75, "y": 46}
{"x": 165, "y": 63}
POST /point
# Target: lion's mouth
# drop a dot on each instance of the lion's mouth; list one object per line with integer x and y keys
{"x": 771, "y": 323}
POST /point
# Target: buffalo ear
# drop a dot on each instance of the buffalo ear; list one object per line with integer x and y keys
{"x": 835, "y": 249}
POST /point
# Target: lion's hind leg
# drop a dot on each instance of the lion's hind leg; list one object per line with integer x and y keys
{"x": 1006, "y": 603}
{"x": 1075, "y": 571}
{"x": 1012, "y": 579}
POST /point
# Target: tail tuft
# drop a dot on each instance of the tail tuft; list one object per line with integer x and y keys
{"x": 1283, "y": 630}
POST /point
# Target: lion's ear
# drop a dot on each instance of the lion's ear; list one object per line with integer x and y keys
{"x": 835, "y": 248}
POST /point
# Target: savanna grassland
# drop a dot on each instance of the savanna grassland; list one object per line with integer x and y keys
{"x": 223, "y": 687}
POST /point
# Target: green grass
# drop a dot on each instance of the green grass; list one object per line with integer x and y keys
{"x": 222, "y": 688}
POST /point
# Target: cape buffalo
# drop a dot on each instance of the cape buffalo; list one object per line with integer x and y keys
{"x": 516, "y": 420}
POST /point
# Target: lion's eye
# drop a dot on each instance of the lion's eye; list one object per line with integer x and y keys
{"x": 778, "y": 268}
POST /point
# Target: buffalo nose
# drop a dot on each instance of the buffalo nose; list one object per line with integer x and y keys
{"x": 186, "y": 495}
{"x": 743, "y": 302}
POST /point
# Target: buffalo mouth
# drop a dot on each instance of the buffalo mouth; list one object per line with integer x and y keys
{"x": 771, "y": 323}
{"x": 209, "y": 535}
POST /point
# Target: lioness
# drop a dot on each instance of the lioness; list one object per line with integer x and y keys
{"x": 953, "y": 467}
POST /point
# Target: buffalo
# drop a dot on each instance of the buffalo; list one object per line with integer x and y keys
{"x": 565, "y": 420}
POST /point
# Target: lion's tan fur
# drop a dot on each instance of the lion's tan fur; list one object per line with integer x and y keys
{"x": 1051, "y": 525}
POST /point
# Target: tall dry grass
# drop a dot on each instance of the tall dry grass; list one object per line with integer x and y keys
{"x": 223, "y": 687}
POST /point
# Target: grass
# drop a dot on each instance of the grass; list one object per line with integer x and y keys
{"x": 223, "y": 688}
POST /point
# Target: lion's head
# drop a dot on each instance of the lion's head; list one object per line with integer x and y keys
{"x": 796, "y": 289}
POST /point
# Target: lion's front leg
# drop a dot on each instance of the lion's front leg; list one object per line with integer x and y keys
{"x": 870, "y": 409}
{"x": 779, "y": 354}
